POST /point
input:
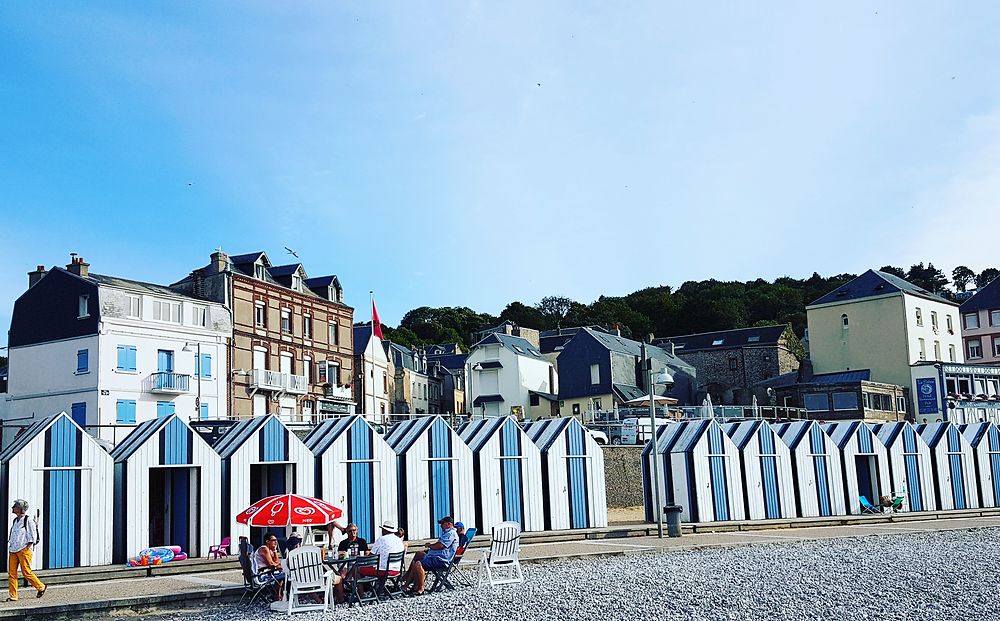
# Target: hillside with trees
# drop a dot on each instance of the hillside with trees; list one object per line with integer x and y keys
{"x": 695, "y": 306}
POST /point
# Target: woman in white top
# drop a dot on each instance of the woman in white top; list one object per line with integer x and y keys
{"x": 21, "y": 546}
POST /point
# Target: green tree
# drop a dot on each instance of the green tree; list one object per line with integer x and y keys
{"x": 524, "y": 316}
{"x": 555, "y": 308}
{"x": 987, "y": 276}
{"x": 930, "y": 278}
{"x": 895, "y": 271}
{"x": 961, "y": 276}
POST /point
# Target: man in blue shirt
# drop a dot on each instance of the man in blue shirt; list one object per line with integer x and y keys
{"x": 437, "y": 556}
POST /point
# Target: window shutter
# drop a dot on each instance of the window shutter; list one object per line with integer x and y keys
{"x": 130, "y": 358}
{"x": 197, "y": 366}
{"x": 206, "y": 365}
{"x": 122, "y": 359}
{"x": 321, "y": 372}
{"x": 204, "y": 411}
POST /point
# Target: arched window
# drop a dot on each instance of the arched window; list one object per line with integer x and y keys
{"x": 843, "y": 320}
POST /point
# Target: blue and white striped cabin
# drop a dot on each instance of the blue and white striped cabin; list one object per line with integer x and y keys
{"x": 167, "y": 483}
{"x": 768, "y": 484}
{"x": 706, "y": 474}
{"x": 356, "y": 471}
{"x": 985, "y": 441}
{"x": 665, "y": 436}
{"x": 954, "y": 466}
{"x": 260, "y": 458}
{"x": 435, "y": 474}
{"x": 910, "y": 467}
{"x": 572, "y": 474}
{"x": 865, "y": 463}
{"x": 508, "y": 474}
{"x": 67, "y": 479}
{"x": 816, "y": 463}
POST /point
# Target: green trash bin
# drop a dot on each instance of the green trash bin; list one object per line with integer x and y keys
{"x": 672, "y": 516}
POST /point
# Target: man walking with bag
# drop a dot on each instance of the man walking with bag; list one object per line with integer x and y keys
{"x": 20, "y": 544}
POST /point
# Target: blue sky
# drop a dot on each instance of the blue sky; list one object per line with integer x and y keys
{"x": 476, "y": 153}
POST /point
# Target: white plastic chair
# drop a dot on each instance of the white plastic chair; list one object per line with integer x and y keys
{"x": 500, "y": 564}
{"x": 317, "y": 537}
{"x": 306, "y": 574}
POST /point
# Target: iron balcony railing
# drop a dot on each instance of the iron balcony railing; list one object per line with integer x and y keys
{"x": 167, "y": 383}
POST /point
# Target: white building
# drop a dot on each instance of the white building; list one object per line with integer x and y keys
{"x": 503, "y": 370}
{"x": 372, "y": 389}
{"x": 112, "y": 351}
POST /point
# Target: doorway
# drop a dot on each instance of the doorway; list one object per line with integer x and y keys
{"x": 269, "y": 480}
{"x": 866, "y": 470}
{"x": 173, "y": 508}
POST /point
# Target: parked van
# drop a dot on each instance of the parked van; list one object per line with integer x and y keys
{"x": 637, "y": 430}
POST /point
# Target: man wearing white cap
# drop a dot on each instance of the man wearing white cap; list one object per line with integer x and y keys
{"x": 388, "y": 543}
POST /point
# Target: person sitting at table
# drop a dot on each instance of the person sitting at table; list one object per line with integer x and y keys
{"x": 388, "y": 543}
{"x": 353, "y": 544}
{"x": 401, "y": 533}
{"x": 269, "y": 559}
{"x": 436, "y": 556}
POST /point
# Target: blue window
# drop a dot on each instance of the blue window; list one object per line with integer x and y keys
{"x": 164, "y": 408}
{"x": 79, "y": 413}
{"x": 126, "y": 412}
{"x": 82, "y": 364}
{"x": 126, "y": 357}
{"x": 203, "y": 367}
{"x": 204, "y": 411}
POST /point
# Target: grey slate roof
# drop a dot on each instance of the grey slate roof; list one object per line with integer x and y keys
{"x": 238, "y": 434}
{"x": 515, "y": 344}
{"x": 874, "y": 283}
{"x": 986, "y": 298}
{"x": 741, "y": 337}
{"x": 627, "y": 392}
{"x": 842, "y": 377}
{"x": 623, "y": 345}
{"x": 138, "y": 286}
{"x": 127, "y": 447}
{"x": 29, "y": 434}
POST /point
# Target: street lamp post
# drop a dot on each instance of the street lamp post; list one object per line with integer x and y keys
{"x": 667, "y": 380}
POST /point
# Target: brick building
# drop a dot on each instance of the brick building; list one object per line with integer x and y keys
{"x": 291, "y": 351}
{"x": 731, "y": 362}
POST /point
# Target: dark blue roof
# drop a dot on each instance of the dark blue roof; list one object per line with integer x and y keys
{"x": 453, "y": 362}
{"x": 515, "y": 344}
{"x": 842, "y": 377}
{"x": 622, "y": 345}
{"x": 872, "y": 284}
{"x": 481, "y": 399}
{"x": 986, "y": 298}
{"x": 241, "y": 259}
{"x": 284, "y": 270}
{"x": 362, "y": 334}
{"x": 321, "y": 281}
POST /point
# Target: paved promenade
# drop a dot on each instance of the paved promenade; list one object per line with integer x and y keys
{"x": 163, "y": 593}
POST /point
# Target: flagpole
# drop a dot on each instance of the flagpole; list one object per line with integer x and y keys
{"x": 371, "y": 293}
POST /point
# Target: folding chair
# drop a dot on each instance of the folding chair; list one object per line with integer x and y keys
{"x": 255, "y": 584}
{"x": 897, "y": 503}
{"x": 868, "y": 508}
{"x": 456, "y": 571}
{"x": 357, "y": 578}
{"x": 389, "y": 584}
{"x": 503, "y": 556}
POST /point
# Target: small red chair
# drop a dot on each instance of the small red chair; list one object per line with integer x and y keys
{"x": 220, "y": 550}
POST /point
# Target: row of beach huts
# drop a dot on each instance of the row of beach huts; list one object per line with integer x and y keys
{"x": 165, "y": 484}
{"x": 756, "y": 470}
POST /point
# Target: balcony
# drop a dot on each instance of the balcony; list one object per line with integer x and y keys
{"x": 167, "y": 383}
{"x": 333, "y": 391}
{"x": 296, "y": 384}
{"x": 262, "y": 379}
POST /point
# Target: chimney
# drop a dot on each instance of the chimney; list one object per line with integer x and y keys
{"x": 650, "y": 338}
{"x": 78, "y": 266}
{"x": 616, "y": 330}
{"x": 219, "y": 262}
{"x": 35, "y": 276}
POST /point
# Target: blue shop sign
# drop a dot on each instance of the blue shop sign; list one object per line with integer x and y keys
{"x": 927, "y": 399}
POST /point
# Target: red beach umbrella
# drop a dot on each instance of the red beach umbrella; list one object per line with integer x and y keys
{"x": 289, "y": 510}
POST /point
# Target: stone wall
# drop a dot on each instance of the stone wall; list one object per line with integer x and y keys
{"x": 624, "y": 475}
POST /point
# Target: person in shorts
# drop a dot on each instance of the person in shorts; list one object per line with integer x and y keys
{"x": 437, "y": 556}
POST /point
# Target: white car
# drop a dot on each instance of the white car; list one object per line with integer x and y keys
{"x": 599, "y": 436}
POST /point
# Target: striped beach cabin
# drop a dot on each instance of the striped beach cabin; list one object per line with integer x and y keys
{"x": 435, "y": 474}
{"x": 768, "y": 484}
{"x": 706, "y": 473}
{"x": 508, "y": 474}
{"x": 816, "y": 463}
{"x": 573, "y": 481}
{"x": 665, "y": 436}
{"x": 260, "y": 458}
{"x": 864, "y": 461}
{"x": 67, "y": 479}
{"x": 954, "y": 466}
{"x": 985, "y": 441}
{"x": 910, "y": 468}
{"x": 167, "y": 483}
{"x": 356, "y": 471}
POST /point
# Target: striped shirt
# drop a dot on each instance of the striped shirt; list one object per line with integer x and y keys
{"x": 22, "y": 532}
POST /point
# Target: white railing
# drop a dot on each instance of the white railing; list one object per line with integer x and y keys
{"x": 334, "y": 391}
{"x": 296, "y": 384}
{"x": 267, "y": 380}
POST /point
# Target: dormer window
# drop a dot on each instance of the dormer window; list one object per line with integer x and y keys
{"x": 296, "y": 282}
{"x": 258, "y": 271}
{"x": 83, "y": 307}
{"x": 718, "y": 341}
{"x": 843, "y": 321}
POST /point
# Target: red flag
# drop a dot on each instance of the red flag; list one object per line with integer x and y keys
{"x": 376, "y": 324}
